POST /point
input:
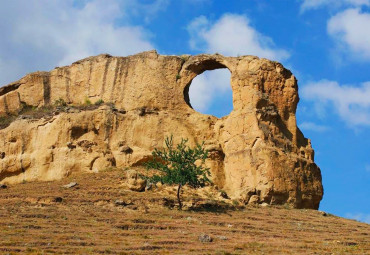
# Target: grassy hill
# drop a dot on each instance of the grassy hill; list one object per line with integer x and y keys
{"x": 100, "y": 216}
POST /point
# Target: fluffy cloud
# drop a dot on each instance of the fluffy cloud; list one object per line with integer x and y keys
{"x": 205, "y": 87}
{"x": 41, "y": 34}
{"x": 315, "y": 4}
{"x": 313, "y": 127}
{"x": 351, "y": 103}
{"x": 232, "y": 35}
{"x": 351, "y": 30}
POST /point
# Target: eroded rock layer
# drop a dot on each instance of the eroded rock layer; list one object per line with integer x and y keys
{"x": 257, "y": 152}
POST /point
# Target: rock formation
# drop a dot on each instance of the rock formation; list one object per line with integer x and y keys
{"x": 256, "y": 151}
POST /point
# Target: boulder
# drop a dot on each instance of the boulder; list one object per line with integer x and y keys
{"x": 134, "y": 182}
{"x": 204, "y": 238}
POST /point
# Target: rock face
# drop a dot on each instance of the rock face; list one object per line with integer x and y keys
{"x": 256, "y": 151}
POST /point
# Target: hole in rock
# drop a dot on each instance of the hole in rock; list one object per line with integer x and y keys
{"x": 210, "y": 93}
{"x": 77, "y": 132}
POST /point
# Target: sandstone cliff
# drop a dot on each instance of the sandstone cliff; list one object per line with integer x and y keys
{"x": 257, "y": 152}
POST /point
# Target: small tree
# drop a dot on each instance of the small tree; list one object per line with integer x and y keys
{"x": 181, "y": 165}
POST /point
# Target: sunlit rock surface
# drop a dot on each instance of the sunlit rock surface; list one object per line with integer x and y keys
{"x": 257, "y": 151}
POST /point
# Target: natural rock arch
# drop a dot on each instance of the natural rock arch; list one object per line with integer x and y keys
{"x": 257, "y": 152}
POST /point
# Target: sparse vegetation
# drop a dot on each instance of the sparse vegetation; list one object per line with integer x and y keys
{"x": 178, "y": 76}
{"x": 34, "y": 112}
{"x": 27, "y": 111}
{"x": 89, "y": 221}
{"x": 60, "y": 103}
{"x": 99, "y": 102}
{"x": 87, "y": 101}
{"x": 235, "y": 202}
{"x": 181, "y": 166}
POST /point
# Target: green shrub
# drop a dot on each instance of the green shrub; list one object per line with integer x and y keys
{"x": 177, "y": 165}
{"x": 235, "y": 202}
{"x": 87, "y": 101}
{"x": 99, "y": 102}
{"x": 60, "y": 102}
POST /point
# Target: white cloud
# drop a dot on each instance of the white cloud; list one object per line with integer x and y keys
{"x": 351, "y": 103}
{"x": 41, "y": 34}
{"x": 205, "y": 87}
{"x": 359, "y": 217}
{"x": 313, "y": 127}
{"x": 351, "y": 30}
{"x": 232, "y": 35}
{"x": 196, "y": 29}
{"x": 315, "y": 4}
{"x": 149, "y": 9}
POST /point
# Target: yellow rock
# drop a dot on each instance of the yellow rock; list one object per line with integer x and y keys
{"x": 257, "y": 147}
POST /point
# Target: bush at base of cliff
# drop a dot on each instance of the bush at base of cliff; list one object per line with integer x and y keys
{"x": 180, "y": 165}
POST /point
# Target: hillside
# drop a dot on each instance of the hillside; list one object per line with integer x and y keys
{"x": 100, "y": 216}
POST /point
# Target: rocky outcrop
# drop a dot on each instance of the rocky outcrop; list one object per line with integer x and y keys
{"x": 256, "y": 152}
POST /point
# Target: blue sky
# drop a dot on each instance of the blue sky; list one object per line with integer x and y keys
{"x": 325, "y": 43}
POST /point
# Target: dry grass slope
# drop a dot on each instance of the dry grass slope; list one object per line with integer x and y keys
{"x": 45, "y": 218}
